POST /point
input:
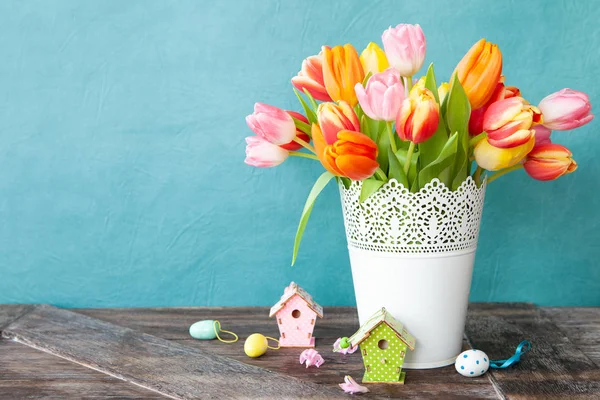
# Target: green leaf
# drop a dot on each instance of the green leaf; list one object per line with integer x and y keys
{"x": 401, "y": 155}
{"x": 345, "y": 181}
{"x": 383, "y": 143}
{"x": 369, "y": 186}
{"x": 311, "y": 99}
{"x": 303, "y": 126}
{"x": 367, "y": 77}
{"x": 443, "y": 161}
{"x": 396, "y": 169}
{"x": 308, "y": 206}
{"x": 458, "y": 109}
{"x": 457, "y": 117}
{"x": 430, "y": 82}
{"x": 310, "y": 114}
{"x": 431, "y": 148}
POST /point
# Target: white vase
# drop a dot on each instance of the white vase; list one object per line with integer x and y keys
{"x": 413, "y": 254}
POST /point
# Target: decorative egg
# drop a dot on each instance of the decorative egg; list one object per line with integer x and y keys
{"x": 255, "y": 345}
{"x": 472, "y": 363}
{"x": 203, "y": 330}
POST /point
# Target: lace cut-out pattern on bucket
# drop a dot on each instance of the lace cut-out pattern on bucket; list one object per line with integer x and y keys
{"x": 433, "y": 220}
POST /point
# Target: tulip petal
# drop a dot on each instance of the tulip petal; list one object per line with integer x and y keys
{"x": 320, "y": 149}
{"x": 493, "y": 158}
{"x": 356, "y": 168}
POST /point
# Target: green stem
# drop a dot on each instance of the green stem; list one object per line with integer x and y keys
{"x": 409, "y": 83}
{"x": 391, "y": 135}
{"x": 305, "y": 155}
{"x": 411, "y": 149}
{"x": 504, "y": 172}
{"x": 475, "y": 139}
{"x": 477, "y": 175}
{"x": 380, "y": 174}
{"x": 305, "y": 145}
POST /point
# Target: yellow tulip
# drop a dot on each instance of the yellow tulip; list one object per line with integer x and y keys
{"x": 373, "y": 59}
{"x": 342, "y": 70}
{"x": 443, "y": 91}
{"x": 494, "y": 158}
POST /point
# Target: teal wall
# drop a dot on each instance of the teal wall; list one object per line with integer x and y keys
{"x": 122, "y": 180}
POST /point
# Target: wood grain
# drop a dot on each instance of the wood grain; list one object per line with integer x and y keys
{"x": 26, "y": 373}
{"x": 169, "y": 368}
{"x": 173, "y": 323}
{"x": 554, "y": 368}
{"x": 581, "y": 325}
{"x": 11, "y": 312}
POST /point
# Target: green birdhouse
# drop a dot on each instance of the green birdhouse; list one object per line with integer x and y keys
{"x": 383, "y": 344}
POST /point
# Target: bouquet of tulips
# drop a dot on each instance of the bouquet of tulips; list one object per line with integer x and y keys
{"x": 377, "y": 122}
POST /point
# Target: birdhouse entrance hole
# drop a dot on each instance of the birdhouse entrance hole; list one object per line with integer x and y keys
{"x": 296, "y": 313}
{"x": 382, "y": 344}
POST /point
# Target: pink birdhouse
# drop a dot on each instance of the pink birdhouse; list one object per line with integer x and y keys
{"x": 296, "y": 314}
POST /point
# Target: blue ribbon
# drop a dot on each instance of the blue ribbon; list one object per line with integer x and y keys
{"x": 522, "y": 348}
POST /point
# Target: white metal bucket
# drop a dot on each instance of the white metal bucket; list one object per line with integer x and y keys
{"x": 413, "y": 253}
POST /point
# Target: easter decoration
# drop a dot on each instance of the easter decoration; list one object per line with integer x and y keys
{"x": 474, "y": 363}
{"x": 383, "y": 345}
{"x": 342, "y": 345}
{"x": 311, "y": 357}
{"x": 412, "y": 157}
{"x": 256, "y": 345}
{"x": 350, "y": 386}
{"x": 208, "y": 330}
{"x": 296, "y": 314}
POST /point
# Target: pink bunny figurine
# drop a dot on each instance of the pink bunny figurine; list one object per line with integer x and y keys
{"x": 312, "y": 357}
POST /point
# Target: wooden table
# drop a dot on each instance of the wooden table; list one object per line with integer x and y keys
{"x": 48, "y": 352}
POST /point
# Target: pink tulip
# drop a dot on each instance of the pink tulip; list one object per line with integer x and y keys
{"x": 382, "y": 98}
{"x": 405, "y": 47}
{"x": 263, "y": 154}
{"x": 272, "y": 124}
{"x": 350, "y": 386}
{"x": 310, "y": 78}
{"x": 542, "y": 135}
{"x": 566, "y": 109}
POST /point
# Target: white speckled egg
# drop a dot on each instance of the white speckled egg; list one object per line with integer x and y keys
{"x": 472, "y": 363}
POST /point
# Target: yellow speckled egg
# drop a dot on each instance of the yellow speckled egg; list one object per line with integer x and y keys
{"x": 255, "y": 345}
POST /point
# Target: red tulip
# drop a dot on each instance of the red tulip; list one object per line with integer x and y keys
{"x": 419, "y": 116}
{"x": 549, "y": 161}
{"x": 508, "y": 122}
{"x": 336, "y": 117}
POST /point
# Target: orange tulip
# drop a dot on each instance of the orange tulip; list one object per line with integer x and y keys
{"x": 353, "y": 154}
{"x": 549, "y": 161}
{"x": 479, "y": 72}
{"x": 342, "y": 70}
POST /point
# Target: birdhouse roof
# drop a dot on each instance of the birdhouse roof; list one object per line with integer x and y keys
{"x": 382, "y": 317}
{"x": 289, "y": 292}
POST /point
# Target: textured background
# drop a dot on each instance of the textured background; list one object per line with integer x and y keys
{"x": 122, "y": 140}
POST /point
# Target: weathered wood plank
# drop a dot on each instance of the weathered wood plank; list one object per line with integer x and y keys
{"x": 10, "y": 312}
{"x": 554, "y": 368}
{"x": 172, "y": 369}
{"x": 173, "y": 323}
{"x": 26, "y": 373}
{"x": 581, "y": 325}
